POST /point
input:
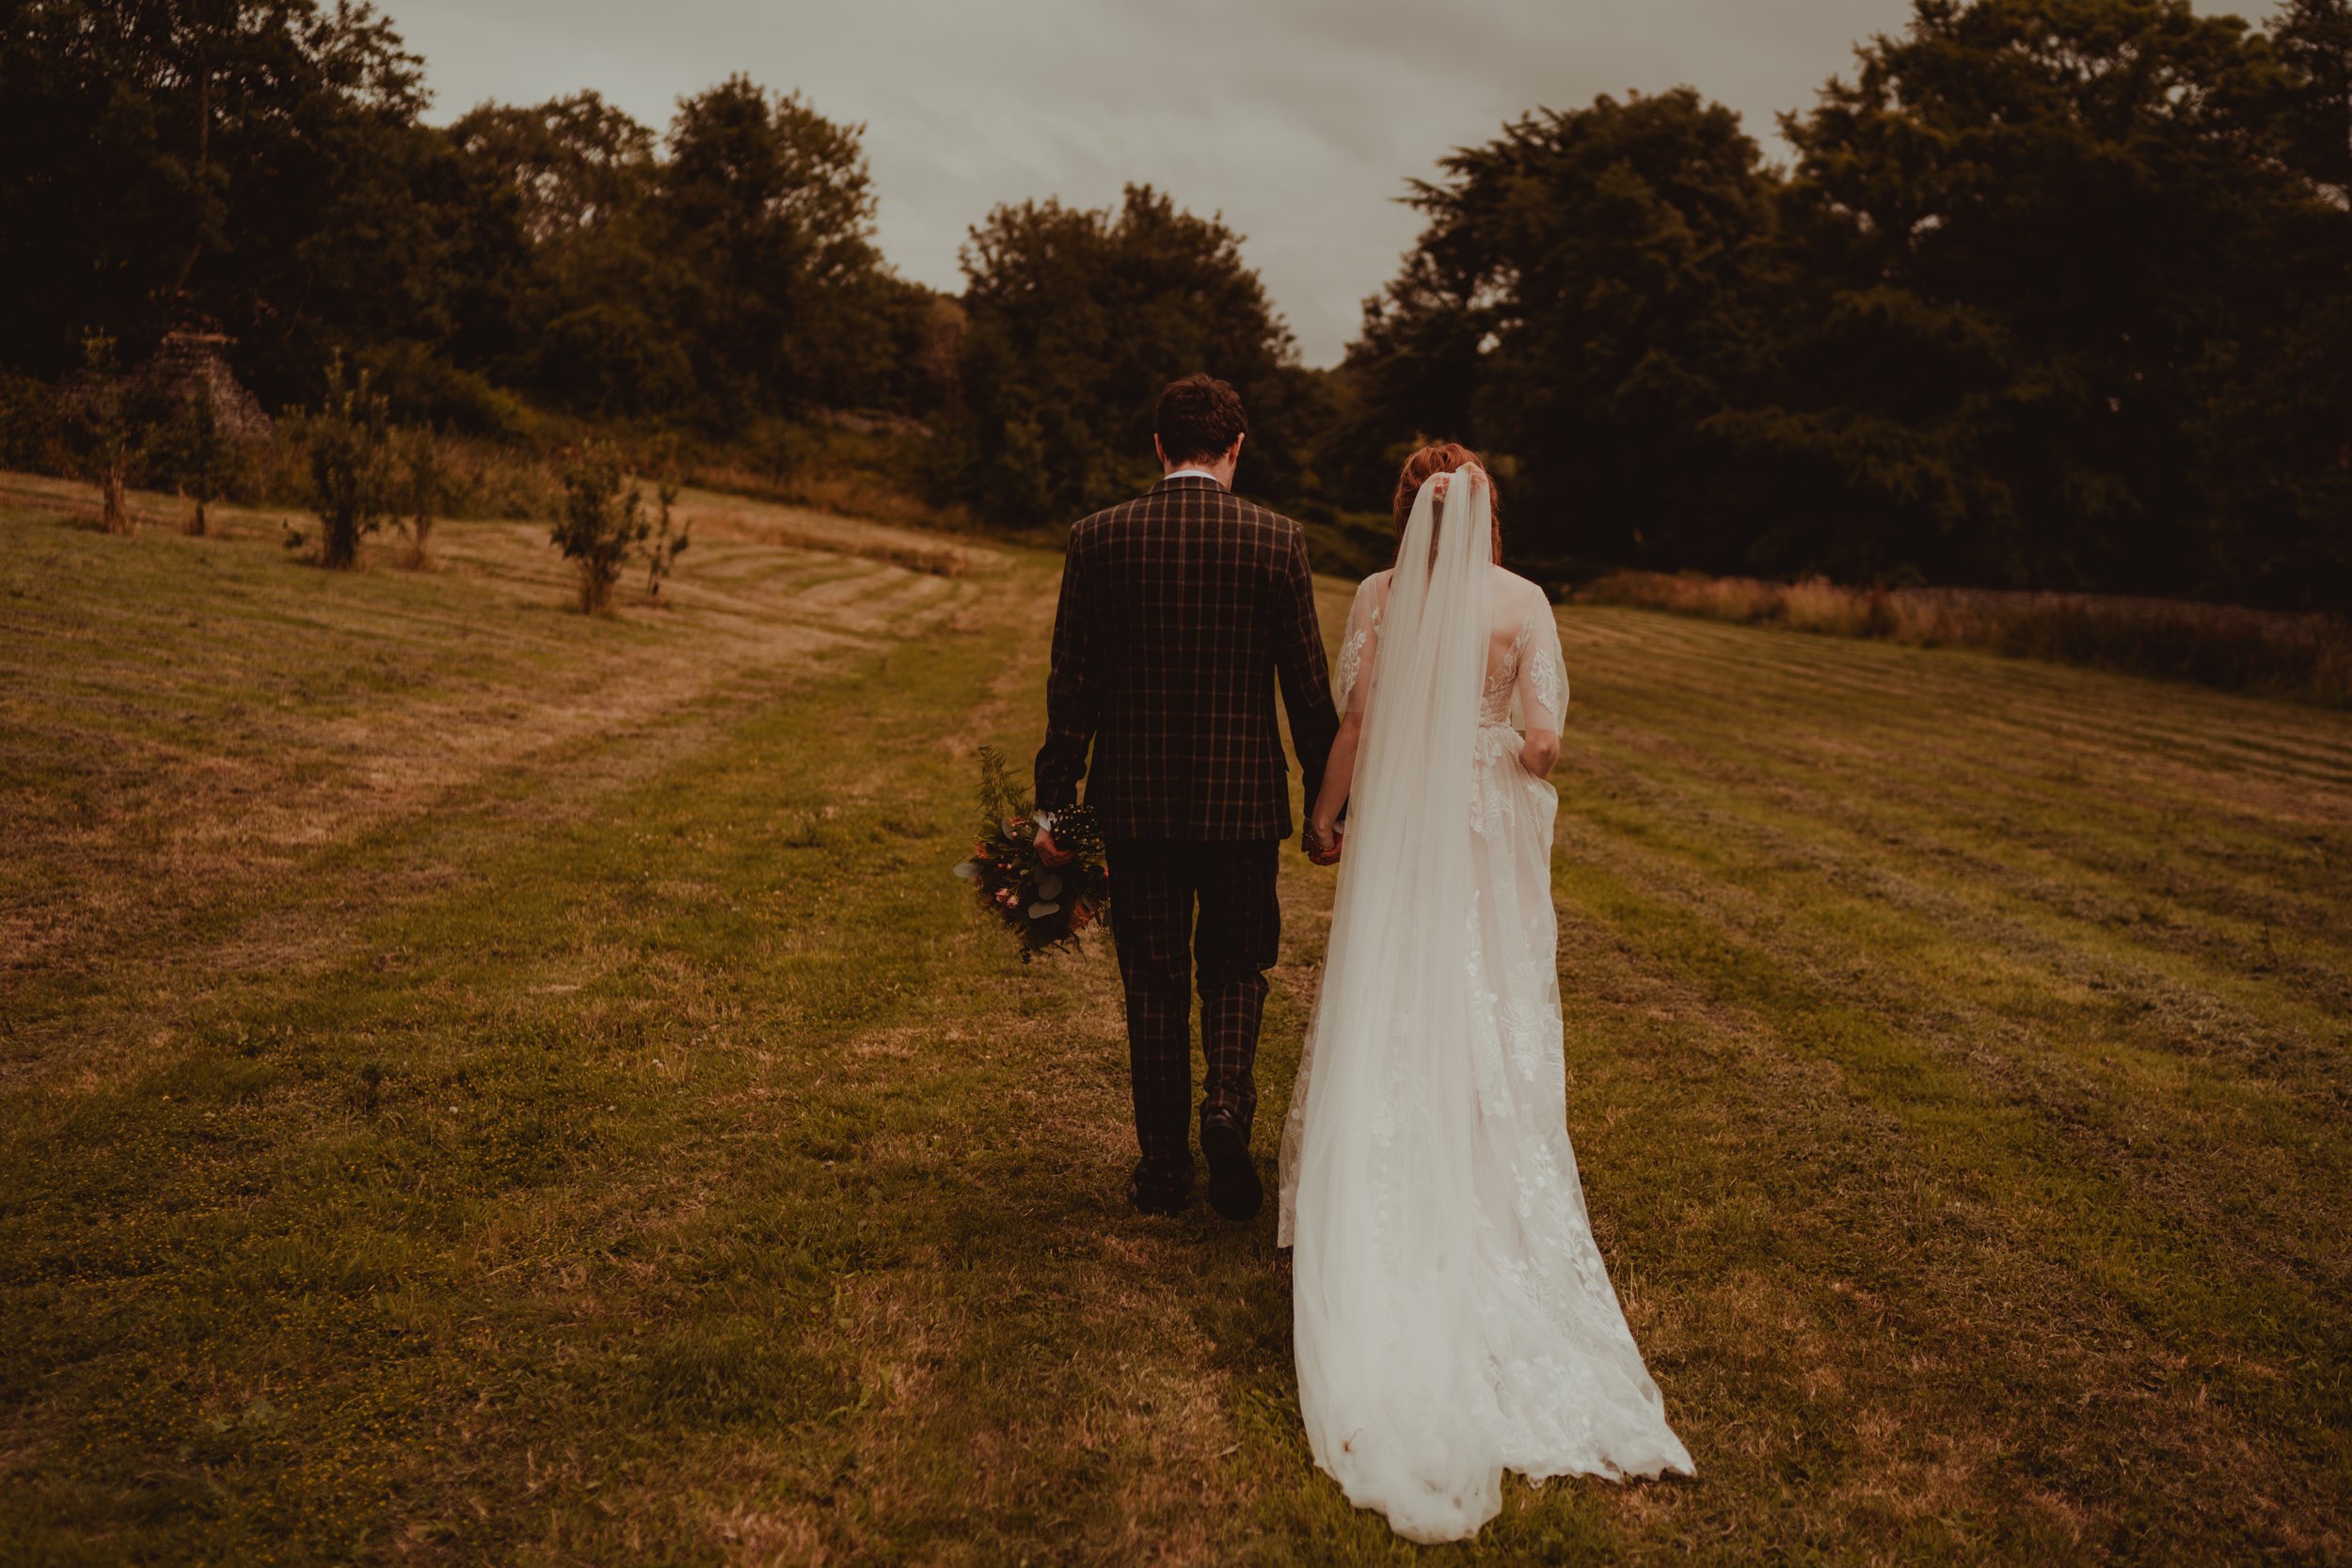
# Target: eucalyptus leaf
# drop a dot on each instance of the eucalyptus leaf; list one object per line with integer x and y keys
{"x": 1049, "y": 886}
{"x": 967, "y": 869}
{"x": 1039, "y": 911}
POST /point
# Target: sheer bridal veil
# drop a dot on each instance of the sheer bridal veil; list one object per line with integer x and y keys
{"x": 1386, "y": 1216}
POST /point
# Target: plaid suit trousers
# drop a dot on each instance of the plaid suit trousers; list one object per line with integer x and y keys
{"x": 1158, "y": 885}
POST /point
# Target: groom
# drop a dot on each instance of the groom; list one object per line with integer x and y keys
{"x": 1180, "y": 611}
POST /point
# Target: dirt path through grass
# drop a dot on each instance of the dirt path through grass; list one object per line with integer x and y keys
{"x": 483, "y": 1086}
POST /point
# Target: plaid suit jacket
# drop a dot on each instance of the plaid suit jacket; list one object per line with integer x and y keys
{"x": 1180, "y": 613}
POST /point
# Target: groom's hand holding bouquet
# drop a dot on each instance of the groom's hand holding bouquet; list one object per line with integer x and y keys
{"x": 1047, "y": 892}
{"x": 1047, "y": 850}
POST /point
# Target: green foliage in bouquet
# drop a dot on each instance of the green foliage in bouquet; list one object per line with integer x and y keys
{"x": 1047, "y": 906}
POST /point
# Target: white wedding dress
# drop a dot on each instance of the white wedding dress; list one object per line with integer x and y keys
{"x": 1452, "y": 1317}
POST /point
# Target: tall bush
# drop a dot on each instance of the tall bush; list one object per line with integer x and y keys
{"x": 352, "y": 476}
{"x": 196, "y": 457}
{"x": 604, "y": 518}
{"x": 669, "y": 540}
{"x": 426, "y": 476}
{"x": 108, "y": 433}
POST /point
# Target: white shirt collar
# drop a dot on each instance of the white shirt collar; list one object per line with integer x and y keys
{"x": 1194, "y": 473}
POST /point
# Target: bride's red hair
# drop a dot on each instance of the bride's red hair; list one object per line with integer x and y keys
{"x": 1443, "y": 457}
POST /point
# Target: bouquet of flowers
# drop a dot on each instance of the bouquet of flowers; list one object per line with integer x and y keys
{"x": 1047, "y": 905}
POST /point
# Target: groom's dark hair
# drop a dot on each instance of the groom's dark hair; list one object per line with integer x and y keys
{"x": 1199, "y": 418}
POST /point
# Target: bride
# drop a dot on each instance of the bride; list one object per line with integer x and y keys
{"x": 1452, "y": 1314}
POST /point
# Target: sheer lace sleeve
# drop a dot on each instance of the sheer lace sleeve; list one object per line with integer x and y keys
{"x": 1360, "y": 646}
{"x": 1543, "y": 686}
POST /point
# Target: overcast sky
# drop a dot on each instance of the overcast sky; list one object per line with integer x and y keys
{"x": 1298, "y": 120}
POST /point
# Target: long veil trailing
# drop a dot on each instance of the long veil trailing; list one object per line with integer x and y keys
{"x": 1451, "y": 1315}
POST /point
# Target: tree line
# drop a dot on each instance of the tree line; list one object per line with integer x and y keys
{"x": 2052, "y": 292}
{"x": 264, "y": 164}
{"x": 2057, "y": 293}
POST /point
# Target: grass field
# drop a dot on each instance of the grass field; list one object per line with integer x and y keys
{"x": 480, "y": 1085}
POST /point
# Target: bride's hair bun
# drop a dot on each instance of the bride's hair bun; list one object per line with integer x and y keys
{"x": 1442, "y": 457}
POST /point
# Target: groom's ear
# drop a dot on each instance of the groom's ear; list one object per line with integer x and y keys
{"x": 1160, "y": 452}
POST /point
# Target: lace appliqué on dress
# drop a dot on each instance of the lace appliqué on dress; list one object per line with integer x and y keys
{"x": 1549, "y": 679}
{"x": 1496, "y": 706}
{"x": 1352, "y": 660}
{"x": 1494, "y": 759}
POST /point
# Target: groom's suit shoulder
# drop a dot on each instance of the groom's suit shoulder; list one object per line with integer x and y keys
{"x": 1184, "y": 502}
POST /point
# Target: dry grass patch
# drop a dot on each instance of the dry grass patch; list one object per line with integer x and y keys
{"x": 231, "y": 739}
{"x": 2307, "y": 656}
{"x": 796, "y": 527}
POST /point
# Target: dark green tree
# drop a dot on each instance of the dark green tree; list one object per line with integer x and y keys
{"x": 574, "y": 165}
{"x": 1076, "y": 318}
{"x": 2313, "y": 39}
{"x": 2275, "y": 445}
{"x": 2039, "y": 237}
{"x": 770, "y": 207}
{"x": 1582, "y": 304}
{"x": 596, "y": 298}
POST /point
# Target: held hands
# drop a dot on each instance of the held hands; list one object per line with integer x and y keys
{"x": 1323, "y": 843}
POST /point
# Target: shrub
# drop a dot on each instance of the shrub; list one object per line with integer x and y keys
{"x": 1817, "y": 604}
{"x": 422, "y": 388}
{"x": 108, "y": 429}
{"x": 32, "y": 433}
{"x": 603, "y": 518}
{"x": 350, "y": 466}
{"x": 195, "y": 455}
{"x": 662, "y": 555}
{"x": 426, "y": 476}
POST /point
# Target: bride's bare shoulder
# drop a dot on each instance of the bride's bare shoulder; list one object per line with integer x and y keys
{"x": 1377, "y": 584}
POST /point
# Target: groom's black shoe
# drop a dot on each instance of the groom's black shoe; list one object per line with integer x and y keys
{"x": 1233, "y": 1188}
{"x": 1156, "y": 1199}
